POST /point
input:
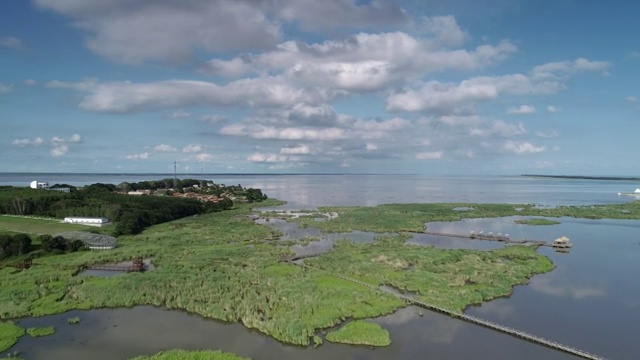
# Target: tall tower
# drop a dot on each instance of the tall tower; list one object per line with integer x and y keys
{"x": 175, "y": 176}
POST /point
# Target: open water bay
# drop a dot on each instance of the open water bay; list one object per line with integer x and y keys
{"x": 591, "y": 300}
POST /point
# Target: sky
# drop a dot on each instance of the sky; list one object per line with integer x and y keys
{"x": 487, "y": 87}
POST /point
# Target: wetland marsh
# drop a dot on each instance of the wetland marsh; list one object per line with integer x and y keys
{"x": 243, "y": 257}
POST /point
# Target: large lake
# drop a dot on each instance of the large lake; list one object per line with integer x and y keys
{"x": 590, "y": 301}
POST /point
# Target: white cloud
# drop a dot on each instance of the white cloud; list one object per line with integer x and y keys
{"x": 164, "y": 148}
{"x": 11, "y": 42}
{"x": 30, "y": 82}
{"x": 59, "y": 149}
{"x": 498, "y": 128}
{"x": 444, "y": 29}
{"x": 547, "y": 134}
{"x": 429, "y": 155}
{"x": 193, "y": 148}
{"x": 296, "y": 150}
{"x": 75, "y": 139}
{"x": 172, "y": 31}
{"x": 566, "y": 68}
{"x": 127, "y": 97}
{"x": 180, "y": 114}
{"x": 267, "y": 157}
{"x": 635, "y": 55}
{"x": 522, "y": 147}
{"x": 213, "y": 119}
{"x": 522, "y": 110}
{"x": 4, "y": 89}
{"x": 553, "y": 109}
{"x": 258, "y": 131}
{"x": 203, "y": 157}
{"x": 143, "y": 156}
{"x": 24, "y": 142}
{"x": 371, "y": 147}
{"x": 631, "y": 99}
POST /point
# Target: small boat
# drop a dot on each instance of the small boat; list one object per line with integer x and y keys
{"x": 562, "y": 243}
{"x": 635, "y": 193}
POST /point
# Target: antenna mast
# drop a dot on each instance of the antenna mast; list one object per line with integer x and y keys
{"x": 175, "y": 176}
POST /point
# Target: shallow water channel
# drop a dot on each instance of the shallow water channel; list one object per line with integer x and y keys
{"x": 591, "y": 301}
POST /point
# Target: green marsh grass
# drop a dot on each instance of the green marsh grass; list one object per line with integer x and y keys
{"x": 360, "y": 332}
{"x": 41, "y": 331}
{"x": 222, "y": 266}
{"x": 37, "y": 226}
{"x": 9, "y": 335}
{"x": 412, "y": 217}
{"x": 536, "y": 222}
{"x": 191, "y": 355}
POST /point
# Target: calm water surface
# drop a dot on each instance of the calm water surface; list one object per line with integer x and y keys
{"x": 590, "y": 301}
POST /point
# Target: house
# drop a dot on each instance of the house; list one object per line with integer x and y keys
{"x": 91, "y": 221}
{"x": 39, "y": 184}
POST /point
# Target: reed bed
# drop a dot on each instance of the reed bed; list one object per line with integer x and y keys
{"x": 9, "y": 334}
{"x": 360, "y": 332}
{"x": 41, "y": 331}
{"x": 536, "y": 222}
{"x": 191, "y": 355}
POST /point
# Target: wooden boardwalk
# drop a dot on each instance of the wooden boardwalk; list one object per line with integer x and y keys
{"x": 488, "y": 237}
{"x": 472, "y": 319}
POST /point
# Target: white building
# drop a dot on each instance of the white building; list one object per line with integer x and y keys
{"x": 91, "y": 221}
{"x": 39, "y": 184}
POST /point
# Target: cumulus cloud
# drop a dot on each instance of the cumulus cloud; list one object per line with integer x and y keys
{"x": 143, "y": 156}
{"x": 164, "y": 148}
{"x": 362, "y": 62}
{"x": 127, "y": 97}
{"x": 11, "y": 42}
{"x": 132, "y": 32}
{"x": 258, "y": 131}
{"x": 498, "y": 128}
{"x": 75, "y": 139}
{"x": 266, "y": 157}
{"x": 553, "y": 109}
{"x": 203, "y": 157}
{"x": 25, "y": 142}
{"x": 213, "y": 119}
{"x": 180, "y": 114}
{"x": 561, "y": 69}
{"x": 295, "y": 150}
{"x": 30, "y": 82}
{"x": 635, "y": 55}
{"x": 522, "y": 110}
{"x": 547, "y": 134}
{"x": 4, "y": 89}
{"x": 429, "y": 155}
{"x": 193, "y": 148}
{"x": 522, "y": 147}
{"x": 631, "y": 99}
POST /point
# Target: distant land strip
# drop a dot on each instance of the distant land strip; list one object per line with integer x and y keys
{"x": 584, "y": 177}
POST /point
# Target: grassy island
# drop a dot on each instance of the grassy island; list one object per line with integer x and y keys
{"x": 360, "y": 333}
{"x": 41, "y": 331}
{"x": 224, "y": 266}
{"x": 191, "y": 355}
{"x": 9, "y": 334}
{"x": 536, "y": 222}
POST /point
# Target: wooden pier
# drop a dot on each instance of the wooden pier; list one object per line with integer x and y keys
{"x": 472, "y": 319}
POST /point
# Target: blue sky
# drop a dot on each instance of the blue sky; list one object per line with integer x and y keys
{"x": 333, "y": 86}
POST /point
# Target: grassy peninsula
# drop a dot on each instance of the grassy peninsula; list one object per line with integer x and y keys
{"x": 360, "y": 333}
{"x": 9, "y": 334}
{"x": 191, "y": 355}
{"x": 41, "y": 331}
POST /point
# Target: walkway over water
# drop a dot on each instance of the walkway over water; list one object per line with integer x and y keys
{"x": 472, "y": 319}
{"x": 488, "y": 237}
